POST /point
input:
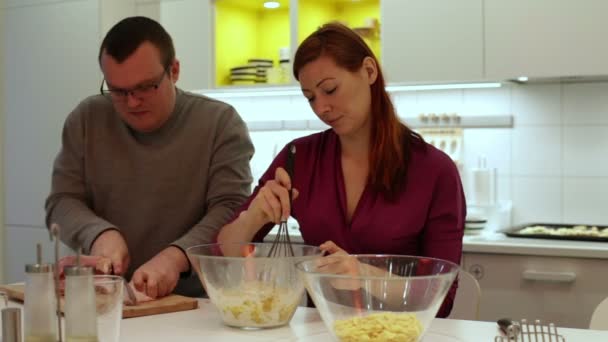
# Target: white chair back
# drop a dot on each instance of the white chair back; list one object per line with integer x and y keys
{"x": 468, "y": 298}
{"x": 599, "y": 318}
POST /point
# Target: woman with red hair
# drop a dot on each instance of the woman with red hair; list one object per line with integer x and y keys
{"x": 368, "y": 185}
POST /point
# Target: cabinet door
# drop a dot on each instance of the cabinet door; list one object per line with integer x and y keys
{"x": 564, "y": 291}
{"x": 189, "y": 24}
{"x": 50, "y": 57}
{"x": 432, "y": 40}
{"x": 545, "y": 38}
{"x": 21, "y": 250}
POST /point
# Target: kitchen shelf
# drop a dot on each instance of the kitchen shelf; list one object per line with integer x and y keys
{"x": 479, "y": 121}
{"x": 457, "y": 121}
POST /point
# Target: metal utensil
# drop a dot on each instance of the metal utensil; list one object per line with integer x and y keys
{"x": 528, "y": 332}
{"x": 509, "y": 328}
{"x": 132, "y": 298}
{"x": 54, "y": 232}
{"x": 281, "y": 246}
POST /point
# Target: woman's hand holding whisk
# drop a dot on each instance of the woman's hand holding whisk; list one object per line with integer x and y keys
{"x": 270, "y": 205}
{"x": 272, "y": 201}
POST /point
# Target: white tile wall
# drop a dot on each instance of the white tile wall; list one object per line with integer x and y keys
{"x": 586, "y": 104}
{"x": 494, "y": 101}
{"x": 537, "y": 104}
{"x": 536, "y": 199}
{"x": 537, "y": 150}
{"x": 585, "y": 200}
{"x": 586, "y": 151}
{"x": 552, "y": 164}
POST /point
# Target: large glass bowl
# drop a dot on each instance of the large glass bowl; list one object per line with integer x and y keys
{"x": 250, "y": 289}
{"x": 377, "y": 297}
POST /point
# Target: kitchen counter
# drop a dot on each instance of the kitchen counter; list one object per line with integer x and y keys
{"x": 204, "y": 323}
{"x": 306, "y": 325}
{"x": 497, "y": 243}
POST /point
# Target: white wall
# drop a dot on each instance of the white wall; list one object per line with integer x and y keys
{"x": 2, "y": 115}
{"x": 552, "y": 164}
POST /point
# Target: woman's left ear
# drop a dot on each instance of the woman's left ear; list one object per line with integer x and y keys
{"x": 371, "y": 69}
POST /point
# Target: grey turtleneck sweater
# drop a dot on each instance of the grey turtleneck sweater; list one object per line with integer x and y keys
{"x": 176, "y": 186}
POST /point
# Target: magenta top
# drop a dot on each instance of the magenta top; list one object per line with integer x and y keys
{"x": 427, "y": 219}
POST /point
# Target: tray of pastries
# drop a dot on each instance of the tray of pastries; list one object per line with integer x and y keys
{"x": 560, "y": 231}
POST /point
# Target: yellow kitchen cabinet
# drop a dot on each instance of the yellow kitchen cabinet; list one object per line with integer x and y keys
{"x": 245, "y": 30}
{"x": 361, "y": 15}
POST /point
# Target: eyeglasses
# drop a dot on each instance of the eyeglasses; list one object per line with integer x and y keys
{"x": 141, "y": 91}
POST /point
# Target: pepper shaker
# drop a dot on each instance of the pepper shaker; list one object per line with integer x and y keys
{"x": 40, "y": 302}
{"x": 80, "y": 306}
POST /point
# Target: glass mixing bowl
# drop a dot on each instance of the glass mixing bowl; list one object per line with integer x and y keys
{"x": 377, "y": 297}
{"x": 250, "y": 289}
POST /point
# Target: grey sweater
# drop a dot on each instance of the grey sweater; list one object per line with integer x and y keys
{"x": 176, "y": 186}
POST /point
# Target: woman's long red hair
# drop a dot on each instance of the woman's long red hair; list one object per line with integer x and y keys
{"x": 390, "y": 140}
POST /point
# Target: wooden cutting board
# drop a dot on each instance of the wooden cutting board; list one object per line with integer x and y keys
{"x": 171, "y": 303}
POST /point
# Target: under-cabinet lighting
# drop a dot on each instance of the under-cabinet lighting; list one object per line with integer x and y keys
{"x": 292, "y": 91}
{"x": 271, "y": 4}
{"x": 391, "y": 88}
{"x": 283, "y": 91}
{"x": 522, "y": 79}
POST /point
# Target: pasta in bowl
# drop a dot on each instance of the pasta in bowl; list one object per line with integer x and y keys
{"x": 250, "y": 289}
{"x": 384, "y": 297}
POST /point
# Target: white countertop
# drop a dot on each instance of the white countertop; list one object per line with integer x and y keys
{"x": 498, "y": 243}
{"x": 204, "y": 324}
{"x": 306, "y": 325}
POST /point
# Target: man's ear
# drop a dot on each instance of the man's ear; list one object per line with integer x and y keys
{"x": 174, "y": 70}
{"x": 371, "y": 69}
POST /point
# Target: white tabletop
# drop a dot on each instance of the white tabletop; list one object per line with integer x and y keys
{"x": 306, "y": 325}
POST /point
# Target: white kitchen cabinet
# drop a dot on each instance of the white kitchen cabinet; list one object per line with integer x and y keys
{"x": 432, "y": 40}
{"x": 545, "y": 38}
{"x": 21, "y": 250}
{"x": 187, "y": 21}
{"x": 553, "y": 289}
{"x": 189, "y": 24}
{"x": 51, "y": 64}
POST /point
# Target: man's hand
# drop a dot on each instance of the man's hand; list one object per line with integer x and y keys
{"x": 112, "y": 245}
{"x": 159, "y": 276}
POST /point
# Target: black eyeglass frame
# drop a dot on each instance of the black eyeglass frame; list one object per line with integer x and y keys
{"x": 123, "y": 94}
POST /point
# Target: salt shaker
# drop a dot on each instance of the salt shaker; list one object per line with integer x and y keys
{"x": 80, "y": 307}
{"x": 40, "y": 303}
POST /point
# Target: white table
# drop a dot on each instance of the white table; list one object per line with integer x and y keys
{"x": 204, "y": 324}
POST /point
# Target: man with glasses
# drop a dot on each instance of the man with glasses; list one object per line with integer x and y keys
{"x": 147, "y": 170}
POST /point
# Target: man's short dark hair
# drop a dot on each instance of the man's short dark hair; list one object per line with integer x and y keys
{"x": 128, "y": 34}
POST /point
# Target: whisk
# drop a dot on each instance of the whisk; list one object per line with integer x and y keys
{"x": 281, "y": 246}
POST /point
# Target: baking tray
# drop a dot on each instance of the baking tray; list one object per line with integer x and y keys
{"x": 514, "y": 232}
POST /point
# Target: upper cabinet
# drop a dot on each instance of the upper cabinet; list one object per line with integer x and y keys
{"x": 545, "y": 38}
{"x": 252, "y": 42}
{"x": 432, "y": 40}
{"x": 255, "y": 40}
{"x": 187, "y": 21}
{"x": 363, "y": 16}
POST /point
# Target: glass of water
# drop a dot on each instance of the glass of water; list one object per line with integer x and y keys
{"x": 108, "y": 297}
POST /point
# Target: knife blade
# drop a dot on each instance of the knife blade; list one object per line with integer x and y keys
{"x": 130, "y": 294}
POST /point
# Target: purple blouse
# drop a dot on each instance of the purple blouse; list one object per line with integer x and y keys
{"x": 427, "y": 219}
